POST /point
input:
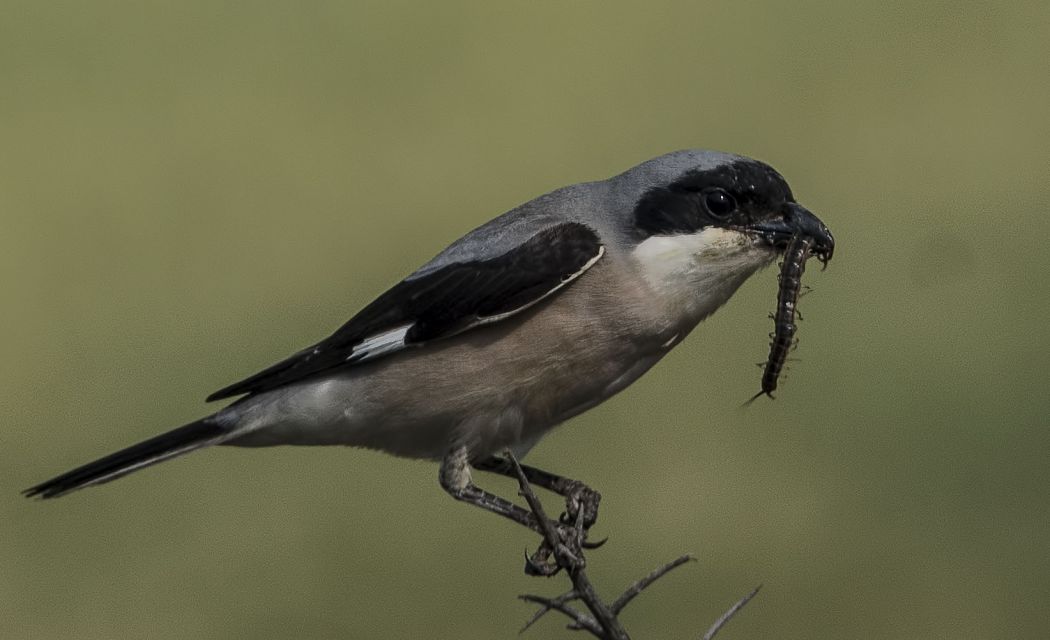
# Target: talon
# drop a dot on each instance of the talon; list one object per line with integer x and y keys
{"x": 532, "y": 567}
{"x": 537, "y": 565}
{"x": 586, "y": 544}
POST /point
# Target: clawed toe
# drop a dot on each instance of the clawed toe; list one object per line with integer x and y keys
{"x": 538, "y": 563}
{"x": 569, "y": 555}
{"x": 586, "y": 544}
{"x": 581, "y": 505}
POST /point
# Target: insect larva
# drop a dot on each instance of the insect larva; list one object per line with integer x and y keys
{"x": 791, "y": 270}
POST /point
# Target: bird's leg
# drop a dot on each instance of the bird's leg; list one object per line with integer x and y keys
{"x": 581, "y": 510}
{"x": 580, "y": 500}
{"x": 456, "y": 480}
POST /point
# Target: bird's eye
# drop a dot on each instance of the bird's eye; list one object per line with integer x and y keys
{"x": 719, "y": 203}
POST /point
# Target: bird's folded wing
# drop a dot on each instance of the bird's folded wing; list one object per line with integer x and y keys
{"x": 442, "y": 302}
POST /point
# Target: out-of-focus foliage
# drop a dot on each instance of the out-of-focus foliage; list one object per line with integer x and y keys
{"x": 190, "y": 191}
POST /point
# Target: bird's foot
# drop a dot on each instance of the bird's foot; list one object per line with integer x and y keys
{"x": 570, "y": 532}
{"x": 565, "y": 553}
{"x": 581, "y": 505}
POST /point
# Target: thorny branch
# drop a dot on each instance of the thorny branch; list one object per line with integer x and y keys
{"x": 567, "y": 544}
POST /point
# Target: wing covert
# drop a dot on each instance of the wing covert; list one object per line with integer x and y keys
{"x": 441, "y": 303}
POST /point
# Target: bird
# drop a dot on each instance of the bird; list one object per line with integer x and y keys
{"x": 523, "y": 323}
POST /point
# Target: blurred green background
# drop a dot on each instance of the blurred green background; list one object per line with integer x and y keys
{"x": 190, "y": 191}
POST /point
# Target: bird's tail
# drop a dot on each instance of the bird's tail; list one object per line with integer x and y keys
{"x": 176, "y": 442}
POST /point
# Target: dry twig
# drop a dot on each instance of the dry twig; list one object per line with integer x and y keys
{"x": 566, "y": 543}
{"x": 717, "y": 626}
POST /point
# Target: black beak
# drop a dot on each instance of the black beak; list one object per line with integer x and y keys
{"x": 797, "y": 220}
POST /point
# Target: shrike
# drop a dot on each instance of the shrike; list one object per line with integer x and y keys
{"x": 523, "y": 323}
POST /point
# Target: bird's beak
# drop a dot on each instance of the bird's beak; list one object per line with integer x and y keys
{"x": 797, "y": 220}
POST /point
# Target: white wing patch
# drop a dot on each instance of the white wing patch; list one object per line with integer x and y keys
{"x": 393, "y": 340}
{"x": 380, "y": 344}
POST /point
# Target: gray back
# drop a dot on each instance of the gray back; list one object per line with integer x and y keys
{"x": 605, "y": 205}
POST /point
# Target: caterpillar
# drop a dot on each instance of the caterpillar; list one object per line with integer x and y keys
{"x": 784, "y": 327}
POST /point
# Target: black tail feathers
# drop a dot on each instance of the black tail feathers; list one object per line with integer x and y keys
{"x": 167, "y": 445}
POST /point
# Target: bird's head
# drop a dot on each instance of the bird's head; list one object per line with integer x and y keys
{"x": 702, "y": 222}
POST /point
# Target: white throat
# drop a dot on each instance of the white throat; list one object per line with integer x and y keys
{"x": 694, "y": 274}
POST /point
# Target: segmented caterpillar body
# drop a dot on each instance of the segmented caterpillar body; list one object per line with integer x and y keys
{"x": 791, "y": 270}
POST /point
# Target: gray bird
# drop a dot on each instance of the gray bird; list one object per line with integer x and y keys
{"x": 523, "y": 323}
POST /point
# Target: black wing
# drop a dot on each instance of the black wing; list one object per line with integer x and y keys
{"x": 442, "y": 303}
